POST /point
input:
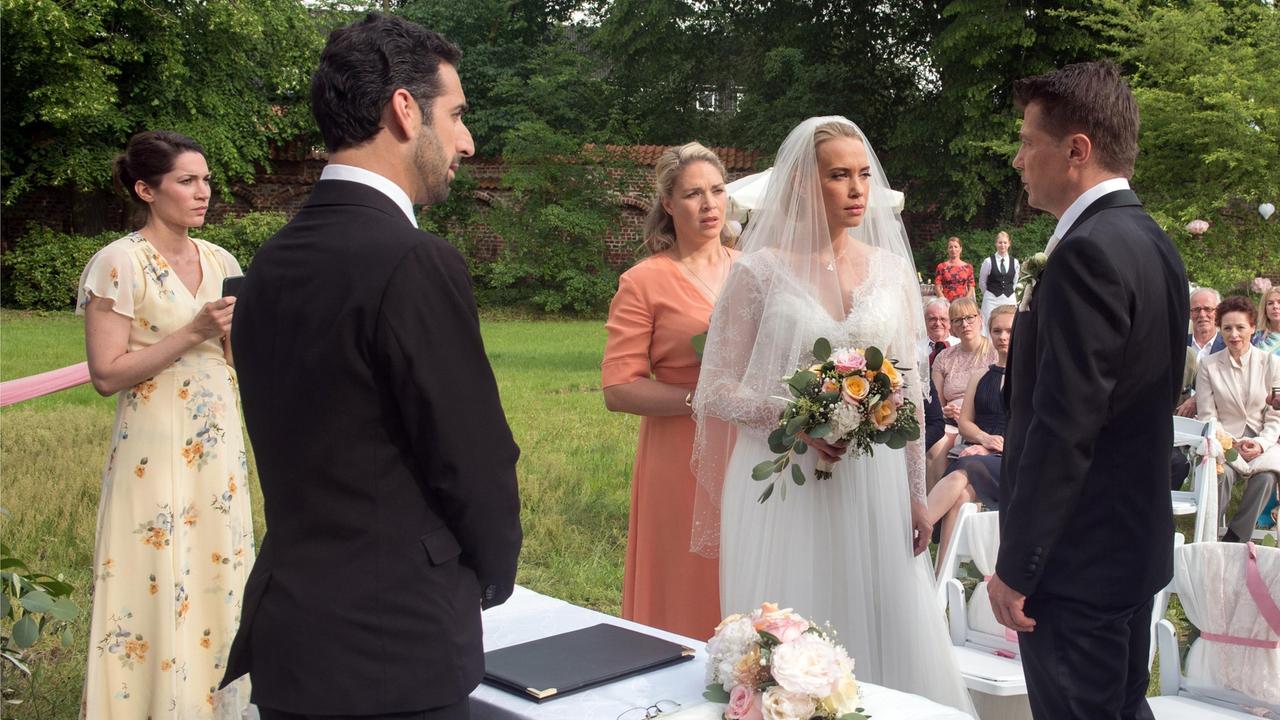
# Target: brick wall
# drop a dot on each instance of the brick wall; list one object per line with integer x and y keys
{"x": 294, "y": 170}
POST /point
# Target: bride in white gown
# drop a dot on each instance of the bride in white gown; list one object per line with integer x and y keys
{"x": 824, "y": 256}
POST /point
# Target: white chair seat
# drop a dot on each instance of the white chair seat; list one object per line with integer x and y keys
{"x": 1185, "y": 507}
{"x": 986, "y": 672}
{"x": 1176, "y": 707}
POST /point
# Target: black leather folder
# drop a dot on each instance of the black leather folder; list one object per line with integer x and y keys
{"x": 558, "y": 665}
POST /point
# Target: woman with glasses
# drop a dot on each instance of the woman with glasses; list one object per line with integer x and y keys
{"x": 952, "y": 371}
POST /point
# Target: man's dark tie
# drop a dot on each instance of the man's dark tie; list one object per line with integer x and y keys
{"x": 937, "y": 348}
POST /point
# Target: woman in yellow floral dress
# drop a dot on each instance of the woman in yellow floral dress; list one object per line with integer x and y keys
{"x": 175, "y": 536}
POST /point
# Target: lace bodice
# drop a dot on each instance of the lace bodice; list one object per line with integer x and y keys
{"x": 751, "y": 394}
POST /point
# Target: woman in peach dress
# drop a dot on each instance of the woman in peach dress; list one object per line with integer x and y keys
{"x": 650, "y": 369}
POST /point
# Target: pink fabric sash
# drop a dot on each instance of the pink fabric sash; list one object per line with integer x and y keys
{"x": 16, "y": 391}
{"x": 1266, "y": 607}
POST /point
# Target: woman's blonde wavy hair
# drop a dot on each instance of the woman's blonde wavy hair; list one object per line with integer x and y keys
{"x": 659, "y": 228}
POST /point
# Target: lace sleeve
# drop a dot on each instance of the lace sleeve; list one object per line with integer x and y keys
{"x": 722, "y": 392}
{"x": 910, "y": 330}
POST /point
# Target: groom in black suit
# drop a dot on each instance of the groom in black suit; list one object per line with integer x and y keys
{"x": 1095, "y": 369}
{"x": 387, "y": 467}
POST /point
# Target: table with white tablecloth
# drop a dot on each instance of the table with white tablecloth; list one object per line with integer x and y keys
{"x": 528, "y": 615}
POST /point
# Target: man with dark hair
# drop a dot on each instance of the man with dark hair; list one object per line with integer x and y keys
{"x": 1093, "y": 375}
{"x": 387, "y": 467}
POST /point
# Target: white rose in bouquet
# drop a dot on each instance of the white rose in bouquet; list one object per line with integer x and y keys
{"x": 780, "y": 704}
{"x": 731, "y": 642}
{"x": 808, "y": 665}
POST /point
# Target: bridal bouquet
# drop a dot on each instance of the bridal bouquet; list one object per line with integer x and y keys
{"x": 850, "y": 396}
{"x": 774, "y": 665}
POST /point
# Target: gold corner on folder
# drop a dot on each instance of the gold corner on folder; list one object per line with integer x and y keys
{"x": 687, "y": 651}
{"x": 541, "y": 694}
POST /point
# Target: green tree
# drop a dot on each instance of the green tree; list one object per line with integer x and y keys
{"x": 1204, "y": 74}
{"x": 80, "y": 76}
{"x": 563, "y": 200}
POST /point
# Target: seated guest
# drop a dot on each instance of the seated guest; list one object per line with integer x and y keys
{"x": 1232, "y": 388}
{"x": 1204, "y": 336}
{"x": 975, "y": 474}
{"x": 1267, "y": 339}
{"x": 937, "y": 323}
{"x": 952, "y": 371}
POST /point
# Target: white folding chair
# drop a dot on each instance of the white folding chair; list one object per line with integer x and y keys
{"x": 1233, "y": 668}
{"x": 1202, "y": 499}
{"x": 985, "y": 651}
{"x": 949, "y": 561}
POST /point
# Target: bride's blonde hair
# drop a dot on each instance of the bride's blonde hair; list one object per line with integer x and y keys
{"x": 833, "y": 130}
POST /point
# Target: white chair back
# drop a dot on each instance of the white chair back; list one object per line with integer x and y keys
{"x": 1202, "y": 499}
{"x": 978, "y": 540}
{"x": 1235, "y": 608}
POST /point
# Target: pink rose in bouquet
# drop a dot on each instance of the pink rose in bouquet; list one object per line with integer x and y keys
{"x": 848, "y": 361}
{"x": 744, "y": 704}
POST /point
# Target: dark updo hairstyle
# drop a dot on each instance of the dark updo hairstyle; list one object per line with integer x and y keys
{"x": 1236, "y": 303}
{"x": 147, "y": 157}
{"x": 362, "y": 66}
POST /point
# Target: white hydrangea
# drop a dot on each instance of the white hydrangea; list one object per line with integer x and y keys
{"x": 844, "y": 420}
{"x": 728, "y": 646}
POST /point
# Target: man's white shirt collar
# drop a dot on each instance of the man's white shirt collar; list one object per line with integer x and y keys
{"x": 1086, "y": 199}
{"x": 378, "y": 182}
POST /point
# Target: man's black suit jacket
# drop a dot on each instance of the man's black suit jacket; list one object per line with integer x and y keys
{"x": 1095, "y": 369}
{"x": 386, "y": 463}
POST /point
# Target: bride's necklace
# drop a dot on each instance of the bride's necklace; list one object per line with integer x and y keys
{"x": 721, "y": 273}
{"x": 831, "y": 264}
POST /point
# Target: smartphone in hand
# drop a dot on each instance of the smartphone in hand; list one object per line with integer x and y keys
{"x": 231, "y": 285}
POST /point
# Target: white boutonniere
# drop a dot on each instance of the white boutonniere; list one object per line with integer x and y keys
{"x": 1028, "y": 276}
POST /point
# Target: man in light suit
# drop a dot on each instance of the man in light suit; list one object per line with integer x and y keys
{"x": 1093, "y": 374}
{"x": 387, "y": 467}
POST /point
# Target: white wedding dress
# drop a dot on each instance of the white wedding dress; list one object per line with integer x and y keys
{"x": 838, "y": 550}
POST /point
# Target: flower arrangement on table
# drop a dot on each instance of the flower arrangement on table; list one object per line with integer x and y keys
{"x": 773, "y": 664}
{"x": 850, "y": 396}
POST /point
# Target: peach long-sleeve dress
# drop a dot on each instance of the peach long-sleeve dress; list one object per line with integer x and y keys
{"x": 652, "y": 320}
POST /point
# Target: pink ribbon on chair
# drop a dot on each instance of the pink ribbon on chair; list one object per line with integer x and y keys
{"x": 1262, "y": 598}
{"x": 33, "y": 386}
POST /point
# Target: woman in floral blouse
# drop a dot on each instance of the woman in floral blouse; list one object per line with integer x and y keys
{"x": 175, "y": 536}
{"x": 953, "y": 276}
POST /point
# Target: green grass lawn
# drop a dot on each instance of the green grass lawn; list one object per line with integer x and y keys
{"x": 574, "y": 471}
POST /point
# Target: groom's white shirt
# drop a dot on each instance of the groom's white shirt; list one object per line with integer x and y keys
{"x": 378, "y": 182}
{"x": 1086, "y": 199}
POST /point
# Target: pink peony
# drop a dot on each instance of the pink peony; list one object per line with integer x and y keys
{"x": 848, "y": 361}
{"x": 1261, "y": 285}
{"x": 744, "y": 704}
{"x": 1197, "y": 227}
{"x": 896, "y": 398}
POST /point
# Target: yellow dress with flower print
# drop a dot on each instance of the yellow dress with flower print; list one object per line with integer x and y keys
{"x": 175, "y": 535}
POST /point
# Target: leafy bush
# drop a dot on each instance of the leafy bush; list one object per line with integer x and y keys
{"x": 242, "y": 236}
{"x": 43, "y": 269}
